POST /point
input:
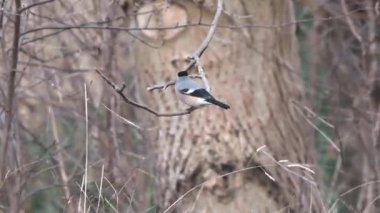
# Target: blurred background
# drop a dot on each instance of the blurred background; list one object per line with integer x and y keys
{"x": 302, "y": 78}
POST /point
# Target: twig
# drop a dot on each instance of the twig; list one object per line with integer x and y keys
{"x": 1, "y": 14}
{"x": 202, "y": 72}
{"x": 60, "y": 30}
{"x": 199, "y": 52}
{"x": 60, "y": 159}
{"x": 115, "y": 194}
{"x": 11, "y": 87}
{"x": 100, "y": 189}
{"x": 161, "y": 86}
{"x": 167, "y": 84}
{"x": 350, "y": 22}
{"x": 201, "y": 49}
{"x": 351, "y": 190}
{"x": 315, "y": 127}
{"x": 195, "y": 58}
{"x": 86, "y": 161}
{"x": 34, "y": 5}
{"x": 122, "y": 118}
{"x": 196, "y": 24}
{"x": 133, "y": 103}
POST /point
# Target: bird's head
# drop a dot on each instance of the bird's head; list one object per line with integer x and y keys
{"x": 182, "y": 74}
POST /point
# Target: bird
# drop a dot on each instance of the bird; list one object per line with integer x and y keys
{"x": 193, "y": 94}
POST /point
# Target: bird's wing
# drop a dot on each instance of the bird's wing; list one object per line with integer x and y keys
{"x": 199, "y": 93}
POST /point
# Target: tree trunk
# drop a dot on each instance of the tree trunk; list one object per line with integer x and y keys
{"x": 218, "y": 156}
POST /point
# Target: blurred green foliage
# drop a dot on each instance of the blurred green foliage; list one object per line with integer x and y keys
{"x": 316, "y": 96}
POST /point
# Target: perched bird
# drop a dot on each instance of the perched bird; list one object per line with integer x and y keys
{"x": 193, "y": 94}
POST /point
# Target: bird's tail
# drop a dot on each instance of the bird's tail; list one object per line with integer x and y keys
{"x": 218, "y": 103}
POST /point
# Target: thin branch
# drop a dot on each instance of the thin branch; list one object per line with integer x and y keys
{"x": 34, "y": 5}
{"x": 195, "y": 58}
{"x": 87, "y": 25}
{"x": 1, "y": 13}
{"x": 350, "y": 22}
{"x": 60, "y": 158}
{"x": 122, "y": 118}
{"x": 167, "y": 84}
{"x": 202, "y": 72}
{"x": 211, "y": 31}
{"x": 133, "y": 103}
{"x": 86, "y": 160}
{"x": 100, "y": 189}
{"x": 161, "y": 86}
{"x": 197, "y": 24}
{"x": 201, "y": 49}
{"x": 11, "y": 87}
{"x": 315, "y": 127}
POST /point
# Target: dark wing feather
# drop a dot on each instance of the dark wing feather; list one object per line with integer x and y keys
{"x": 199, "y": 93}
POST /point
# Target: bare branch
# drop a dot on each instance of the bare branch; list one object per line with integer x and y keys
{"x": 211, "y": 31}
{"x": 195, "y": 58}
{"x": 133, "y": 103}
{"x": 161, "y": 86}
{"x": 1, "y": 14}
{"x": 11, "y": 87}
{"x": 350, "y": 22}
{"x": 167, "y": 84}
{"x": 60, "y": 158}
{"x": 202, "y": 72}
{"x": 122, "y": 118}
{"x": 91, "y": 26}
{"x": 315, "y": 127}
{"x": 34, "y": 5}
{"x": 198, "y": 53}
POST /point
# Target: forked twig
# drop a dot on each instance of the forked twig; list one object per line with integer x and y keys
{"x": 133, "y": 103}
{"x": 195, "y": 58}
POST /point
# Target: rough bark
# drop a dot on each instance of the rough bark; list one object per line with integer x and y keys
{"x": 255, "y": 70}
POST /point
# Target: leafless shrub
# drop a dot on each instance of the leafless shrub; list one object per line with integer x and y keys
{"x": 345, "y": 82}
